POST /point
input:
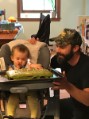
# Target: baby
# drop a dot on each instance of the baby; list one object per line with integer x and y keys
{"x": 20, "y": 55}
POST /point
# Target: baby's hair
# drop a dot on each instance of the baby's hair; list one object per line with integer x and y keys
{"x": 22, "y": 48}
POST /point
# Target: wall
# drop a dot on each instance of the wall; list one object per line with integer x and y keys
{"x": 70, "y": 10}
{"x": 87, "y": 8}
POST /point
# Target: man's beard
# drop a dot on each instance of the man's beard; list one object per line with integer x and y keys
{"x": 61, "y": 58}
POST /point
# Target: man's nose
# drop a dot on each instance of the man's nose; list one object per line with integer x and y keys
{"x": 58, "y": 50}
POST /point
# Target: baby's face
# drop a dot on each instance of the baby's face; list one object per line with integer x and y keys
{"x": 19, "y": 59}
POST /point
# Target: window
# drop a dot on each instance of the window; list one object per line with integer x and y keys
{"x": 31, "y": 9}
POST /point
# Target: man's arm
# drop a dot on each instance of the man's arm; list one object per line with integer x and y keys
{"x": 80, "y": 95}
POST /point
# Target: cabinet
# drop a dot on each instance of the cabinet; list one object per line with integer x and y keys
{"x": 8, "y": 34}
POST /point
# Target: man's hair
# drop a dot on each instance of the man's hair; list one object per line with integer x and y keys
{"x": 22, "y": 48}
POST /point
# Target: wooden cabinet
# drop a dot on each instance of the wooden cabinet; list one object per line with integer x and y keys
{"x": 6, "y": 37}
{"x": 9, "y": 35}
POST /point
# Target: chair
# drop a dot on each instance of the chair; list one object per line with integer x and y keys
{"x": 44, "y": 29}
{"x": 41, "y": 20}
{"x": 5, "y": 52}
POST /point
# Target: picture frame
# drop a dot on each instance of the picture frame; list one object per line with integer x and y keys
{"x": 83, "y": 26}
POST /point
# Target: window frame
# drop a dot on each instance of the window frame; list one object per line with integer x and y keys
{"x": 20, "y": 10}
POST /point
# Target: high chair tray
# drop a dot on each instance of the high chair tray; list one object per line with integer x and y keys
{"x": 35, "y": 83}
{"x": 30, "y": 84}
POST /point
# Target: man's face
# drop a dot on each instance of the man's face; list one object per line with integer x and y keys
{"x": 64, "y": 53}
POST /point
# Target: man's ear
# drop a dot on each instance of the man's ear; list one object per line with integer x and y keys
{"x": 76, "y": 48}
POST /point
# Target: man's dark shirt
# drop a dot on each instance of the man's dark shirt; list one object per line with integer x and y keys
{"x": 78, "y": 75}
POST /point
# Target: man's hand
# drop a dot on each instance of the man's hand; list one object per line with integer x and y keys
{"x": 61, "y": 84}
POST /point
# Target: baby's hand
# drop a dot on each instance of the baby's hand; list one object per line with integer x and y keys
{"x": 35, "y": 66}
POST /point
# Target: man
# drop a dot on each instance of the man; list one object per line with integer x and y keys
{"x": 75, "y": 68}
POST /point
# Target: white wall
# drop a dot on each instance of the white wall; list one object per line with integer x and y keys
{"x": 70, "y": 10}
{"x": 87, "y": 7}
